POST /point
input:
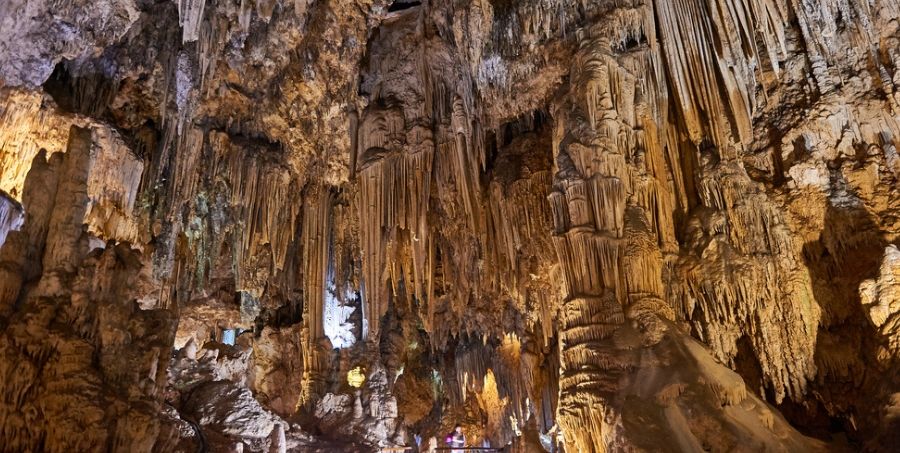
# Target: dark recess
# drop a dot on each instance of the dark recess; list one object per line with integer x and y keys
{"x": 400, "y": 5}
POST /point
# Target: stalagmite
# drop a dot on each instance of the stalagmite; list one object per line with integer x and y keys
{"x": 22, "y": 254}
{"x": 64, "y": 238}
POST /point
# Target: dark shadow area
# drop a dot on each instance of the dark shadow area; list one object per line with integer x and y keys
{"x": 400, "y": 5}
{"x": 849, "y": 250}
{"x": 747, "y": 365}
{"x": 86, "y": 94}
{"x": 531, "y": 133}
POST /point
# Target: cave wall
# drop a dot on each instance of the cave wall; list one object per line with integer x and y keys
{"x": 588, "y": 226}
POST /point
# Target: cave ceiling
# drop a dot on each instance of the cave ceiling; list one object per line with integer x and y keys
{"x": 348, "y": 225}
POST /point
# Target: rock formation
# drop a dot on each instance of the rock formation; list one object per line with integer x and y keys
{"x": 333, "y": 225}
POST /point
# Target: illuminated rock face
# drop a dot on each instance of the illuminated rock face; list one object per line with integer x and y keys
{"x": 565, "y": 226}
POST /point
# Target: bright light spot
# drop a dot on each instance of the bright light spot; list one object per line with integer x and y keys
{"x": 356, "y": 377}
{"x": 12, "y": 216}
{"x": 436, "y": 383}
{"x": 335, "y": 319}
{"x": 228, "y": 336}
{"x": 515, "y": 425}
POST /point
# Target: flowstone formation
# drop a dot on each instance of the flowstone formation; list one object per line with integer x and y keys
{"x": 352, "y": 225}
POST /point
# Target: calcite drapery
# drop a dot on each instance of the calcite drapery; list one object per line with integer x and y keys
{"x": 611, "y": 219}
{"x": 393, "y": 194}
{"x": 317, "y": 260}
{"x": 534, "y": 204}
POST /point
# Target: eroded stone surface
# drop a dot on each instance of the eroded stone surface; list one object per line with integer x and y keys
{"x": 594, "y": 226}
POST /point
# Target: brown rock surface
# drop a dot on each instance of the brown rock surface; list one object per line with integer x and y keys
{"x": 333, "y": 225}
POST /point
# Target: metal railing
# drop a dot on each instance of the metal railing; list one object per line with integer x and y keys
{"x": 467, "y": 449}
{"x": 409, "y": 449}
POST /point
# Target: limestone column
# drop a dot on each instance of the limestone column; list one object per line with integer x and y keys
{"x": 612, "y": 218}
{"x": 317, "y": 227}
{"x": 63, "y": 253}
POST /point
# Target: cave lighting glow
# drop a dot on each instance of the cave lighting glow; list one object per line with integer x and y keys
{"x": 336, "y": 319}
{"x": 356, "y": 377}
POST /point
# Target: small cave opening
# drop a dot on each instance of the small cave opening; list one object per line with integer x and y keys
{"x": 747, "y": 365}
{"x": 497, "y": 142}
{"x": 58, "y": 86}
{"x": 632, "y": 42}
{"x": 87, "y": 93}
{"x": 533, "y": 121}
{"x": 400, "y": 5}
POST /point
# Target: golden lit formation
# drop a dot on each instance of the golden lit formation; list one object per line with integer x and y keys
{"x": 356, "y": 377}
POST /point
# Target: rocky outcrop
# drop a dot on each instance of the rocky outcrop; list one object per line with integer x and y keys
{"x": 31, "y": 47}
{"x": 277, "y": 356}
{"x": 880, "y": 299}
{"x": 84, "y": 366}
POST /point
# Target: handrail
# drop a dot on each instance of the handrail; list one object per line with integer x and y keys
{"x": 467, "y": 449}
{"x": 404, "y": 449}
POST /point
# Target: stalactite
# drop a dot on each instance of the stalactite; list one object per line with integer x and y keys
{"x": 500, "y": 374}
{"x": 537, "y": 205}
{"x": 112, "y": 188}
{"x": 768, "y": 293}
{"x": 25, "y": 129}
{"x": 245, "y": 14}
{"x": 520, "y": 217}
{"x": 262, "y": 193}
{"x": 190, "y": 15}
{"x": 260, "y": 224}
{"x": 264, "y": 9}
{"x": 212, "y": 36}
{"x": 317, "y": 264}
{"x": 714, "y": 82}
{"x": 392, "y": 200}
{"x": 466, "y": 162}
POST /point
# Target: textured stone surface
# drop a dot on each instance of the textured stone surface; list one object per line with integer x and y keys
{"x": 593, "y": 226}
